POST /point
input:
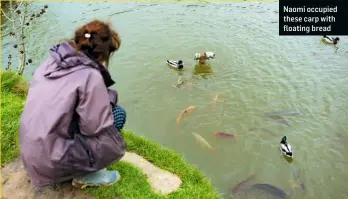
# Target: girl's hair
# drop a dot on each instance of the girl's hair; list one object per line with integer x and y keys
{"x": 98, "y": 40}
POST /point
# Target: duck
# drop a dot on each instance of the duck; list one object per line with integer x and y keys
{"x": 179, "y": 64}
{"x": 330, "y": 40}
{"x": 285, "y": 147}
{"x": 210, "y": 55}
{"x": 206, "y": 55}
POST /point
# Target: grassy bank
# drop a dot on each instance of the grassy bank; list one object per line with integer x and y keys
{"x": 13, "y": 91}
{"x": 133, "y": 184}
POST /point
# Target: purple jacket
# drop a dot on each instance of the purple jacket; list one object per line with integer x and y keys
{"x": 66, "y": 128}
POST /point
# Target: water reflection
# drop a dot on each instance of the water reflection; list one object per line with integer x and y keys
{"x": 203, "y": 70}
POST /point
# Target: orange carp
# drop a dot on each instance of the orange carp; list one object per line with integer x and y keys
{"x": 185, "y": 112}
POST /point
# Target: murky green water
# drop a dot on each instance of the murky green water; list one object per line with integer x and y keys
{"x": 256, "y": 70}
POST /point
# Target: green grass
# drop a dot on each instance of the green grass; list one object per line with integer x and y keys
{"x": 11, "y": 109}
{"x": 13, "y": 92}
{"x": 133, "y": 183}
{"x": 13, "y": 83}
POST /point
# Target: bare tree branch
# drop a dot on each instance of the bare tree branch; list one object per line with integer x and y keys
{"x": 6, "y": 15}
{"x": 23, "y": 56}
{"x": 14, "y": 29}
{"x": 20, "y": 4}
{"x": 18, "y": 19}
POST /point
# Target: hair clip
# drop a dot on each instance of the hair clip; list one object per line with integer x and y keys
{"x": 87, "y": 35}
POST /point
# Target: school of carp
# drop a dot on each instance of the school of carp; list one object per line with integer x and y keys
{"x": 240, "y": 189}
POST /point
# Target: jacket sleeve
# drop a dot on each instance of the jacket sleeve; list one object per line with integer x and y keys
{"x": 113, "y": 97}
{"x": 93, "y": 108}
{"x": 103, "y": 142}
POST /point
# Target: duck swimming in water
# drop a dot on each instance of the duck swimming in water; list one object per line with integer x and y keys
{"x": 203, "y": 57}
{"x": 208, "y": 55}
{"x": 285, "y": 147}
{"x": 330, "y": 40}
{"x": 176, "y": 64}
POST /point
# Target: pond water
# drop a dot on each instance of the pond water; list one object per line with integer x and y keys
{"x": 256, "y": 71}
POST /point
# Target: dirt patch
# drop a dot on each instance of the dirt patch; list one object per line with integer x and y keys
{"x": 16, "y": 184}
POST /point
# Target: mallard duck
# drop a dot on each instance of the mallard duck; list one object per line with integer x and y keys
{"x": 206, "y": 55}
{"x": 285, "y": 147}
{"x": 330, "y": 40}
{"x": 176, "y": 64}
{"x": 210, "y": 55}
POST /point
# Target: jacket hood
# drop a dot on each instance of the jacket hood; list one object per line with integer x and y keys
{"x": 66, "y": 59}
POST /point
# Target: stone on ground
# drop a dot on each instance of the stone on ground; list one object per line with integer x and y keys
{"x": 161, "y": 181}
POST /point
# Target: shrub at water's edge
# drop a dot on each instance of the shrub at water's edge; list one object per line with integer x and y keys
{"x": 133, "y": 183}
{"x": 13, "y": 83}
